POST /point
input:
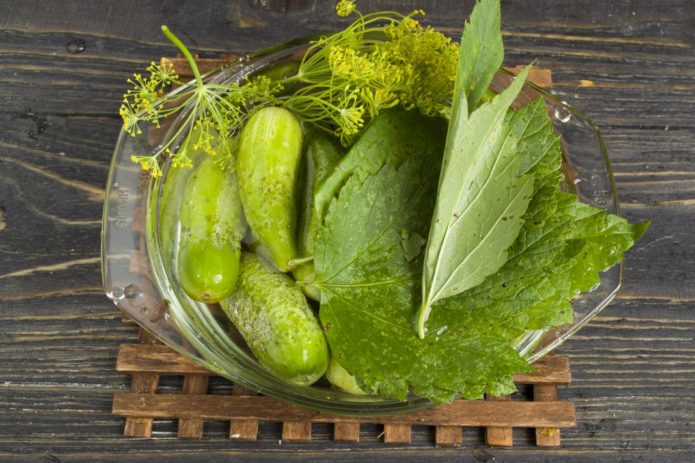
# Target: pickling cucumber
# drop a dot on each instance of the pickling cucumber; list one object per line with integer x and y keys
{"x": 270, "y": 149}
{"x": 212, "y": 226}
{"x": 320, "y": 158}
{"x": 275, "y": 320}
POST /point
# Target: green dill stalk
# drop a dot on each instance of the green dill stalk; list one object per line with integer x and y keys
{"x": 175, "y": 40}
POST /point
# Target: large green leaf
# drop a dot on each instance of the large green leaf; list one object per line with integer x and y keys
{"x": 561, "y": 248}
{"x": 370, "y": 282}
{"x": 480, "y": 203}
{"x": 369, "y": 294}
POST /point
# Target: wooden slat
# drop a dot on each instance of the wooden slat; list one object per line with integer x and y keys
{"x": 346, "y": 431}
{"x": 547, "y": 436}
{"x": 192, "y": 428}
{"x": 141, "y": 426}
{"x": 296, "y": 431}
{"x": 499, "y": 435}
{"x": 142, "y": 382}
{"x": 447, "y": 436}
{"x": 162, "y": 359}
{"x": 540, "y": 76}
{"x": 551, "y": 369}
{"x": 132, "y": 358}
{"x": 459, "y": 413}
{"x": 397, "y": 433}
{"x": 243, "y": 429}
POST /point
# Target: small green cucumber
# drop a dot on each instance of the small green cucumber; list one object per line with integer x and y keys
{"x": 270, "y": 150}
{"x": 275, "y": 320}
{"x": 320, "y": 158}
{"x": 212, "y": 226}
{"x": 174, "y": 183}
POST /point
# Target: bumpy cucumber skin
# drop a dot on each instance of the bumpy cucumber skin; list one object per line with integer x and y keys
{"x": 212, "y": 226}
{"x": 340, "y": 378}
{"x": 275, "y": 320}
{"x": 270, "y": 149}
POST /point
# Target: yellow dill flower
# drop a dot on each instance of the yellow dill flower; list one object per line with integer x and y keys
{"x": 144, "y": 91}
{"x": 179, "y": 159}
{"x": 148, "y": 164}
{"x": 350, "y": 64}
{"x": 412, "y": 24}
{"x": 379, "y": 61}
{"x": 428, "y": 62}
{"x": 349, "y": 115}
{"x": 163, "y": 75}
{"x": 350, "y": 122}
{"x": 345, "y": 7}
{"x": 130, "y": 119}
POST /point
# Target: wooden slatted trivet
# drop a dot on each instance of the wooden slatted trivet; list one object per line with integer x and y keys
{"x": 148, "y": 360}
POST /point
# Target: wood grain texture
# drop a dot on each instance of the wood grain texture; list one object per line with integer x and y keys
{"x": 243, "y": 429}
{"x": 628, "y": 64}
{"x": 346, "y": 431}
{"x": 448, "y": 436}
{"x": 500, "y": 436}
{"x": 192, "y": 428}
{"x": 546, "y": 437}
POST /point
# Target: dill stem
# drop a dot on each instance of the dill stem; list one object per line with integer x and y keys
{"x": 291, "y": 79}
{"x": 179, "y": 44}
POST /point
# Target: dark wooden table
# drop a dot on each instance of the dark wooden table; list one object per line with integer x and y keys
{"x": 629, "y": 64}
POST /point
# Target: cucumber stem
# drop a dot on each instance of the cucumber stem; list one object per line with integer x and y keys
{"x": 179, "y": 44}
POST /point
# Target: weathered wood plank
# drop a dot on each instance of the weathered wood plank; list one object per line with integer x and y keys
{"x": 243, "y": 429}
{"x": 134, "y": 358}
{"x": 347, "y": 431}
{"x": 192, "y": 428}
{"x": 500, "y": 436}
{"x": 296, "y": 431}
{"x": 546, "y": 437}
{"x": 448, "y": 436}
{"x": 142, "y": 382}
{"x": 395, "y": 433}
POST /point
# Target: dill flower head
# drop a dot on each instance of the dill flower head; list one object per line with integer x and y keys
{"x": 345, "y": 7}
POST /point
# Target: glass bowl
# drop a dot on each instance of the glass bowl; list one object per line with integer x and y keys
{"x": 138, "y": 280}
